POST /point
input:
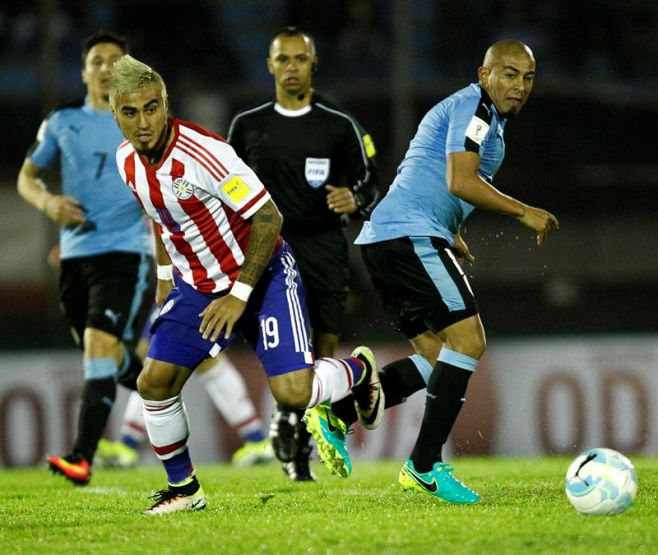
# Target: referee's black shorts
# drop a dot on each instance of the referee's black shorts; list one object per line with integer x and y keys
{"x": 421, "y": 283}
{"x": 323, "y": 264}
{"x": 112, "y": 292}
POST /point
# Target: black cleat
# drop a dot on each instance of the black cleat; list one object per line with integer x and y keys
{"x": 299, "y": 469}
{"x": 284, "y": 433}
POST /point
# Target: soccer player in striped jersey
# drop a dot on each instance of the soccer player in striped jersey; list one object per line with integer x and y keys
{"x": 412, "y": 242}
{"x": 218, "y": 230}
{"x": 106, "y": 269}
{"x": 318, "y": 164}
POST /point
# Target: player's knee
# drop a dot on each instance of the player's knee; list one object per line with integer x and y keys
{"x": 295, "y": 394}
{"x": 144, "y": 386}
{"x": 100, "y": 344}
{"x": 150, "y": 386}
{"x": 472, "y": 346}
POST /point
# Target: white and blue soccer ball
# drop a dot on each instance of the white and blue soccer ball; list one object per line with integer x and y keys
{"x": 601, "y": 482}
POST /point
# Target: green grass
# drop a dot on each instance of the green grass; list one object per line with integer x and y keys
{"x": 523, "y": 510}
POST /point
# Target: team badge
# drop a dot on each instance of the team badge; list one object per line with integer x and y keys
{"x": 167, "y": 307}
{"x": 316, "y": 171}
{"x": 182, "y": 188}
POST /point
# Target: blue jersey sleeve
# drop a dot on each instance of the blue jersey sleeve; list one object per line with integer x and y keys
{"x": 45, "y": 150}
{"x": 469, "y": 123}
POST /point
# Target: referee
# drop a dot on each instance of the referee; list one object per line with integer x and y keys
{"x": 318, "y": 164}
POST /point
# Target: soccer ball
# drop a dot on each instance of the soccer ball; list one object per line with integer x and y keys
{"x": 601, "y": 482}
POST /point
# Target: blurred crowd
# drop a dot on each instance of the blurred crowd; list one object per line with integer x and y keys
{"x": 223, "y": 41}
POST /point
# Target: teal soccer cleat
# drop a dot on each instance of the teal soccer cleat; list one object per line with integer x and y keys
{"x": 330, "y": 434}
{"x": 438, "y": 482}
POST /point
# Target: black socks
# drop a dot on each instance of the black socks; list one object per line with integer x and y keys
{"x": 445, "y": 397}
{"x": 95, "y": 406}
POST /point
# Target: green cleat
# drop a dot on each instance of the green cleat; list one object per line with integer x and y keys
{"x": 330, "y": 434}
{"x": 252, "y": 453}
{"x": 439, "y": 482}
{"x": 115, "y": 454}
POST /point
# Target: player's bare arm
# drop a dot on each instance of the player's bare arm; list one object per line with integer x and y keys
{"x": 64, "y": 210}
{"x": 465, "y": 183}
{"x": 265, "y": 229}
{"x": 165, "y": 268}
{"x": 224, "y": 312}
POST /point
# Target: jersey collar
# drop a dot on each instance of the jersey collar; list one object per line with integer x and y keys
{"x": 291, "y": 113}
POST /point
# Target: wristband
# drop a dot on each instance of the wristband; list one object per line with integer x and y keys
{"x": 241, "y": 291}
{"x": 165, "y": 272}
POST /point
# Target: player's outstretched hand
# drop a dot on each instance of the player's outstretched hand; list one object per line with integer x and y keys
{"x": 64, "y": 210}
{"x": 341, "y": 200}
{"x": 222, "y": 313}
{"x": 540, "y": 220}
{"x": 461, "y": 251}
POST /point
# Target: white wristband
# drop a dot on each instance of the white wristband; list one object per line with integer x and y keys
{"x": 165, "y": 272}
{"x": 241, "y": 291}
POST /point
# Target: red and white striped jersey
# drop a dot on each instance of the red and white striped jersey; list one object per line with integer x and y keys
{"x": 200, "y": 195}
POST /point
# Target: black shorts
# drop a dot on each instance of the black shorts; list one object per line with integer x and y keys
{"x": 323, "y": 264}
{"x": 112, "y": 292}
{"x": 422, "y": 285}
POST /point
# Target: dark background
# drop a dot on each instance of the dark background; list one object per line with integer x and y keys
{"x": 584, "y": 146}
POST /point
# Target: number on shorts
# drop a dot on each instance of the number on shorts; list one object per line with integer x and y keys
{"x": 270, "y": 331}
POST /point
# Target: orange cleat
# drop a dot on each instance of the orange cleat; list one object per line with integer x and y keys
{"x": 73, "y": 468}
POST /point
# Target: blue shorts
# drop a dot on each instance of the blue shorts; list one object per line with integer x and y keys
{"x": 275, "y": 322}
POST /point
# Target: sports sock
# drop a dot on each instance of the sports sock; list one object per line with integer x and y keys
{"x": 402, "y": 378}
{"x": 168, "y": 430}
{"x": 228, "y": 392}
{"x": 345, "y": 410}
{"x": 96, "y": 404}
{"x": 445, "y": 396}
{"x": 133, "y": 429}
{"x": 334, "y": 378}
{"x": 399, "y": 379}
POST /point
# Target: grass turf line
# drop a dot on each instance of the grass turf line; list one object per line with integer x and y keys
{"x": 523, "y": 510}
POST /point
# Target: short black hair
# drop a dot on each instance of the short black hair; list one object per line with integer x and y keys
{"x": 104, "y": 36}
{"x": 293, "y": 31}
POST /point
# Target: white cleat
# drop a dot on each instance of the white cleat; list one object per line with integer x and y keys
{"x": 171, "y": 501}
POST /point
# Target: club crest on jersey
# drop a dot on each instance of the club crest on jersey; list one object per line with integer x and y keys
{"x": 167, "y": 307}
{"x": 182, "y": 188}
{"x": 316, "y": 171}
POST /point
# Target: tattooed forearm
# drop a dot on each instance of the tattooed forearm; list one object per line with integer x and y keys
{"x": 265, "y": 228}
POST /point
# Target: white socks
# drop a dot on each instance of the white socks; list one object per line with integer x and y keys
{"x": 133, "y": 426}
{"x": 167, "y": 426}
{"x": 228, "y": 392}
{"x": 332, "y": 381}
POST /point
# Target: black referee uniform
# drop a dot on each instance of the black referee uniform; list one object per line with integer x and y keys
{"x": 296, "y": 153}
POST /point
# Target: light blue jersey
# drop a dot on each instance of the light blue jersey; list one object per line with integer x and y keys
{"x": 418, "y": 204}
{"x": 85, "y": 141}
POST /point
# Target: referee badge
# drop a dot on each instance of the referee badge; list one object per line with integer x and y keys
{"x": 316, "y": 171}
{"x": 182, "y": 188}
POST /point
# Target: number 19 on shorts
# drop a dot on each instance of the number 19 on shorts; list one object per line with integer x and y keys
{"x": 269, "y": 328}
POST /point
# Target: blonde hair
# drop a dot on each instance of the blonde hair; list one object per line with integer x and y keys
{"x": 129, "y": 75}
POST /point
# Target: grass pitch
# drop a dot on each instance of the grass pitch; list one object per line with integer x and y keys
{"x": 523, "y": 510}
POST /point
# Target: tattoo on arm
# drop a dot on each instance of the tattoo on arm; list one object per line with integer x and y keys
{"x": 265, "y": 228}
